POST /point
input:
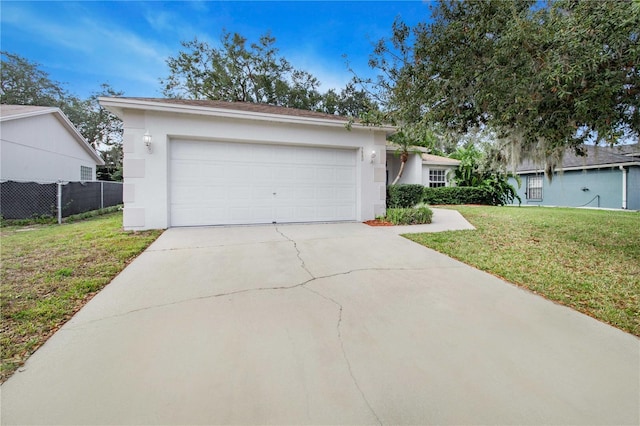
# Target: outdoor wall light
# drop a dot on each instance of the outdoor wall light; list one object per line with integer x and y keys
{"x": 147, "y": 141}
{"x": 373, "y": 156}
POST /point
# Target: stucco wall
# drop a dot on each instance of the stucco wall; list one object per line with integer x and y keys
{"x": 412, "y": 173}
{"x": 146, "y": 178}
{"x": 40, "y": 148}
{"x": 566, "y": 189}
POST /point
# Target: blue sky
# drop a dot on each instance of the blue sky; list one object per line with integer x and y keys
{"x": 125, "y": 43}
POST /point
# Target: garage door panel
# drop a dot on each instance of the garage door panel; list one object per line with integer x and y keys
{"x": 283, "y": 173}
{"x": 262, "y": 193}
{"x": 186, "y": 169}
{"x": 232, "y": 183}
{"x": 345, "y": 158}
{"x": 262, "y": 154}
{"x": 305, "y": 174}
{"x": 242, "y": 193}
{"x": 211, "y": 171}
{"x": 263, "y": 173}
{"x": 325, "y": 174}
{"x": 345, "y": 175}
{"x": 305, "y": 194}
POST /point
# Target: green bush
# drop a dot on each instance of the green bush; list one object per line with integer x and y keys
{"x": 409, "y": 216}
{"x": 404, "y": 195}
{"x": 457, "y": 195}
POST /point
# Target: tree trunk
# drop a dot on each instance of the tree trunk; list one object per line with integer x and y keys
{"x": 403, "y": 160}
{"x": 399, "y": 173}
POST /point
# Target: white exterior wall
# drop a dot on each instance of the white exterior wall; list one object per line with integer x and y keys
{"x": 412, "y": 173}
{"x": 146, "y": 175}
{"x": 416, "y": 171}
{"x": 40, "y": 148}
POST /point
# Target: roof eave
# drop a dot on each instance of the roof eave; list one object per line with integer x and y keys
{"x": 118, "y": 105}
{"x": 574, "y": 168}
{"x": 28, "y": 114}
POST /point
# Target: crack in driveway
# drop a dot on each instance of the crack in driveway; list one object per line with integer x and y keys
{"x": 344, "y": 352}
{"x": 338, "y": 325}
{"x": 302, "y": 284}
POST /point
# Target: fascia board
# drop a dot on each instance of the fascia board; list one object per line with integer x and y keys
{"x": 118, "y": 105}
{"x": 578, "y": 168}
{"x": 28, "y": 114}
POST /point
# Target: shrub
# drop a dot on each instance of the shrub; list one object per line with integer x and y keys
{"x": 404, "y": 195}
{"x": 409, "y": 216}
{"x": 457, "y": 195}
{"x": 501, "y": 192}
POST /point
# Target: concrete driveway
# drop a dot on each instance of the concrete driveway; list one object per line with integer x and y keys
{"x": 321, "y": 324}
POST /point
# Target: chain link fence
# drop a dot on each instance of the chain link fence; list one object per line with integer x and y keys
{"x": 25, "y": 200}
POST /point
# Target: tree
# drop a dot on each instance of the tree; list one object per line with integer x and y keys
{"x": 235, "y": 72}
{"x": 256, "y": 72}
{"x": 112, "y": 169}
{"x": 23, "y": 83}
{"x": 394, "y": 95}
{"x": 544, "y": 77}
{"x": 99, "y": 127}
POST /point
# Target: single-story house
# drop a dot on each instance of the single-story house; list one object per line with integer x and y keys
{"x": 193, "y": 163}
{"x": 608, "y": 177}
{"x": 421, "y": 168}
{"x": 40, "y": 144}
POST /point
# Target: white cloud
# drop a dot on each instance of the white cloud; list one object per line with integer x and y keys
{"x": 100, "y": 48}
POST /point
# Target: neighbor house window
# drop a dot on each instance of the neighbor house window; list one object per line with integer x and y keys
{"x": 437, "y": 178}
{"x": 86, "y": 173}
{"x": 534, "y": 187}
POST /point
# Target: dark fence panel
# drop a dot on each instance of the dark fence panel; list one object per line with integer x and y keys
{"x": 23, "y": 200}
{"x": 112, "y": 194}
{"x": 80, "y": 197}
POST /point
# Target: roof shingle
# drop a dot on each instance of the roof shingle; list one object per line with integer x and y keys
{"x": 245, "y": 106}
{"x": 596, "y": 156}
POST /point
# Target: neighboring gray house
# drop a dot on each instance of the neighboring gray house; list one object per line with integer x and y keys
{"x": 40, "y": 144}
{"x": 608, "y": 177}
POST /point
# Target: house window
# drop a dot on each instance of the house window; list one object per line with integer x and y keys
{"x": 86, "y": 173}
{"x": 437, "y": 178}
{"x": 534, "y": 188}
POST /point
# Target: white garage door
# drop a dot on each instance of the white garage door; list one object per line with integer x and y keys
{"x": 218, "y": 183}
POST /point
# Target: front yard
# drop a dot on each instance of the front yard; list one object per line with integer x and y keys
{"x": 50, "y": 271}
{"x": 588, "y": 260}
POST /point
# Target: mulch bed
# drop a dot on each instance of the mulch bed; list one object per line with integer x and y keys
{"x": 378, "y": 222}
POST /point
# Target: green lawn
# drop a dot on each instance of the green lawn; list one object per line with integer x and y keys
{"x": 50, "y": 271}
{"x": 586, "y": 259}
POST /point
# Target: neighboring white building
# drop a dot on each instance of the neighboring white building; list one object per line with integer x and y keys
{"x": 421, "y": 168}
{"x": 213, "y": 163}
{"x": 40, "y": 144}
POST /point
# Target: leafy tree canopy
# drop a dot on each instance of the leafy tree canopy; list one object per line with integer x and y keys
{"x": 543, "y": 76}
{"x": 241, "y": 72}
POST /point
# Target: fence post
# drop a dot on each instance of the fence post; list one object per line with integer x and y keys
{"x": 101, "y": 194}
{"x": 59, "y": 202}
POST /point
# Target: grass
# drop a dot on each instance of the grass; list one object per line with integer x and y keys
{"x": 49, "y": 272}
{"x": 588, "y": 260}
